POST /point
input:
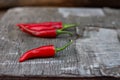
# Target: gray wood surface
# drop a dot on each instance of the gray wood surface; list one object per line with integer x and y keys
{"x": 96, "y": 53}
{"x": 99, "y": 52}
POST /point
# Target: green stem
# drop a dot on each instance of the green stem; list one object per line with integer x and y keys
{"x": 63, "y": 32}
{"x": 65, "y": 46}
{"x": 66, "y": 26}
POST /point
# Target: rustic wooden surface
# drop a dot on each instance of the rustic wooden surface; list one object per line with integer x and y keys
{"x": 94, "y": 54}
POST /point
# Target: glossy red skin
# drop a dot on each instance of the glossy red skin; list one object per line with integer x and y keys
{"x": 42, "y": 24}
{"x": 56, "y": 25}
{"x": 40, "y": 52}
{"x": 43, "y": 34}
{"x": 41, "y": 28}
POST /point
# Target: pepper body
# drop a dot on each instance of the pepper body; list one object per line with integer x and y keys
{"x": 37, "y": 26}
{"x": 42, "y": 24}
{"x": 55, "y": 25}
{"x": 41, "y": 28}
{"x": 43, "y": 34}
{"x": 42, "y": 52}
{"x": 52, "y": 33}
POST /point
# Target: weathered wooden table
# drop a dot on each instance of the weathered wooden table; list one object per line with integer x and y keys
{"x": 94, "y": 55}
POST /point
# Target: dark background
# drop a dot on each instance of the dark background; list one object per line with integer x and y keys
{"x": 60, "y": 3}
{"x": 6, "y": 4}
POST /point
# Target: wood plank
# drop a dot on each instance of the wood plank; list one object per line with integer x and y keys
{"x": 98, "y": 52}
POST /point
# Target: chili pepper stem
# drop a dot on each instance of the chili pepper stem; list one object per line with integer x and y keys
{"x": 65, "y": 46}
{"x": 63, "y": 32}
{"x": 66, "y": 26}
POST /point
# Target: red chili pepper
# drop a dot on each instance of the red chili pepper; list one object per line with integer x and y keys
{"x": 42, "y": 24}
{"x": 35, "y": 28}
{"x": 56, "y": 25}
{"x": 42, "y": 52}
{"x": 45, "y": 33}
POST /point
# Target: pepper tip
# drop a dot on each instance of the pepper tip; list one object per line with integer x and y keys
{"x": 21, "y": 60}
{"x": 18, "y": 25}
